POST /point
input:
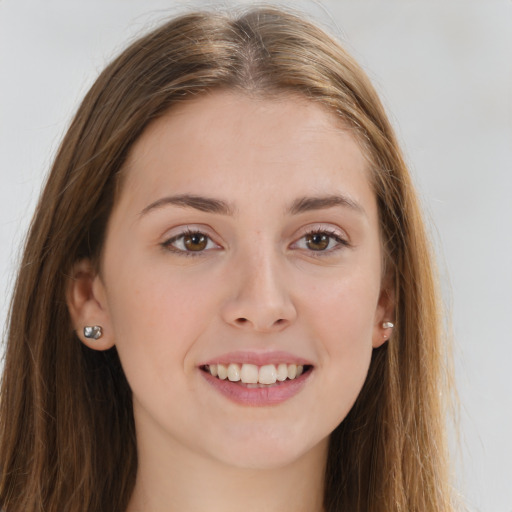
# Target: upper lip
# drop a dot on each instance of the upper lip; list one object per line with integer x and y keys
{"x": 257, "y": 358}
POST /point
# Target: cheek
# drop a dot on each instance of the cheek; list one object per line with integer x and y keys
{"x": 344, "y": 316}
{"x": 345, "y": 308}
{"x": 156, "y": 318}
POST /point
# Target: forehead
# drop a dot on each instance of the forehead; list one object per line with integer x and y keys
{"x": 226, "y": 141}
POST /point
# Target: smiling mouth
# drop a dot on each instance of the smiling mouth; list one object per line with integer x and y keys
{"x": 253, "y": 376}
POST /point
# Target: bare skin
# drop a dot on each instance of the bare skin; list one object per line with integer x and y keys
{"x": 281, "y": 252}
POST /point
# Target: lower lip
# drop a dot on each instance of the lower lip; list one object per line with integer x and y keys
{"x": 257, "y": 397}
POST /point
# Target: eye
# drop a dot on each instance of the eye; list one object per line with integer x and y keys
{"x": 190, "y": 243}
{"x": 321, "y": 240}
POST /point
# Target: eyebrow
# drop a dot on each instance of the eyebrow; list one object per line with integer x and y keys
{"x": 307, "y": 204}
{"x": 218, "y": 206}
{"x": 203, "y": 204}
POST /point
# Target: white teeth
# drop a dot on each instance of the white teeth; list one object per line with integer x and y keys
{"x": 282, "y": 372}
{"x": 292, "y": 371}
{"x": 222, "y": 371}
{"x": 234, "y": 372}
{"x": 252, "y": 374}
{"x": 249, "y": 374}
{"x": 268, "y": 374}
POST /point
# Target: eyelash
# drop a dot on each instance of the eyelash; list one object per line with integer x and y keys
{"x": 330, "y": 234}
{"x": 168, "y": 244}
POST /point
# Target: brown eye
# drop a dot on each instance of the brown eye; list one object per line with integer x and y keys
{"x": 190, "y": 243}
{"x": 195, "y": 242}
{"x": 318, "y": 241}
{"x": 321, "y": 241}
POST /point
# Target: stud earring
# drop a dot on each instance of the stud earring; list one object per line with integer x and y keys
{"x": 388, "y": 325}
{"x": 94, "y": 332}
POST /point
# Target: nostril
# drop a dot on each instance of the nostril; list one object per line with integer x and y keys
{"x": 242, "y": 321}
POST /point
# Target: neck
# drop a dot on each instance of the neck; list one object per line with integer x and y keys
{"x": 174, "y": 478}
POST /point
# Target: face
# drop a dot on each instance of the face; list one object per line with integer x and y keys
{"x": 245, "y": 235}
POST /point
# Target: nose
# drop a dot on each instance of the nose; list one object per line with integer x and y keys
{"x": 260, "y": 297}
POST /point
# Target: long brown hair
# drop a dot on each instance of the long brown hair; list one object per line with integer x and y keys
{"x": 67, "y": 440}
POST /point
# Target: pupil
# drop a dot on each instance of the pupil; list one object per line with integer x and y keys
{"x": 195, "y": 242}
{"x": 318, "y": 242}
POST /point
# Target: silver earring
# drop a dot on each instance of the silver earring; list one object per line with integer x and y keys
{"x": 388, "y": 325}
{"x": 94, "y": 332}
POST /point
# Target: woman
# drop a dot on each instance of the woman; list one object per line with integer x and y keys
{"x": 227, "y": 297}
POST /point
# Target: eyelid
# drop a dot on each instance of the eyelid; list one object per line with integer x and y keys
{"x": 188, "y": 230}
{"x": 334, "y": 232}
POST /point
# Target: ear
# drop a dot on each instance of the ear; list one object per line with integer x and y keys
{"x": 87, "y": 305}
{"x": 385, "y": 313}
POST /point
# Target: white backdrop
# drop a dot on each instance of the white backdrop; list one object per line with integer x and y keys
{"x": 444, "y": 70}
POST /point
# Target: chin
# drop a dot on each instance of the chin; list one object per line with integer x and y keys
{"x": 268, "y": 449}
{"x": 258, "y": 460}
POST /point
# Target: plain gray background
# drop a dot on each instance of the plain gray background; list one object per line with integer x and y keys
{"x": 444, "y": 72}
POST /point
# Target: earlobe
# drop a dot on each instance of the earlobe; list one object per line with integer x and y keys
{"x": 86, "y": 301}
{"x": 384, "y": 319}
